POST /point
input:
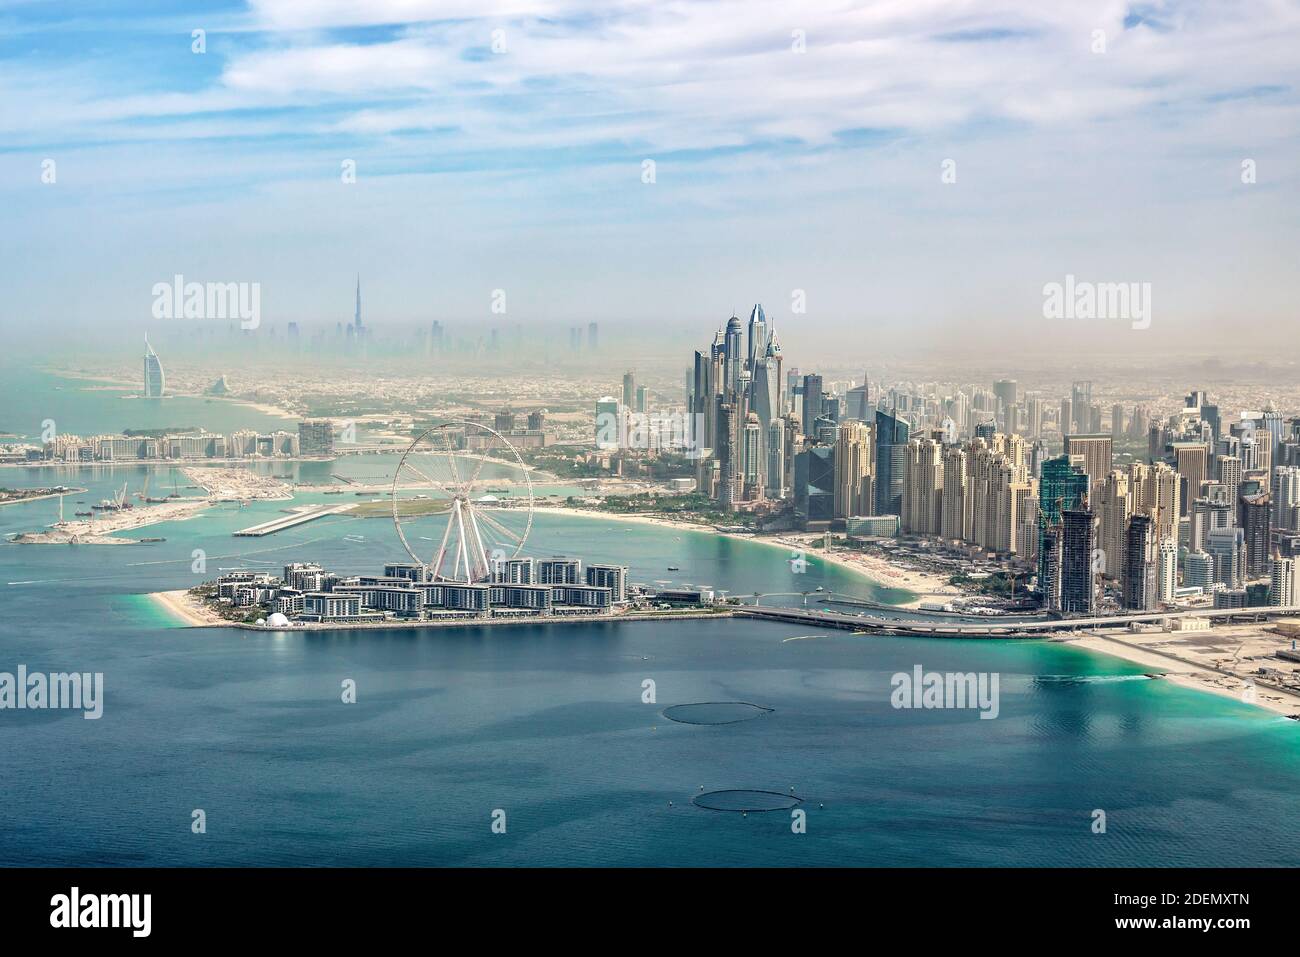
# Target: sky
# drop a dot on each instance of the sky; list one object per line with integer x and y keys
{"x": 912, "y": 172}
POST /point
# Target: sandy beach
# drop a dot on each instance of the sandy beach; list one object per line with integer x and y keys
{"x": 924, "y": 587}
{"x": 101, "y": 529}
{"x": 182, "y": 606}
{"x": 1192, "y": 660}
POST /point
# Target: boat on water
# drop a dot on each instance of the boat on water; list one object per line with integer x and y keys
{"x": 673, "y": 568}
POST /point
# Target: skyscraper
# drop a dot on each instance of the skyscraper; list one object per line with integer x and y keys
{"x": 1167, "y": 578}
{"x": 1006, "y": 391}
{"x": 1284, "y": 585}
{"x": 812, "y": 403}
{"x": 923, "y": 488}
{"x": 609, "y": 425}
{"x": 1078, "y": 539}
{"x": 316, "y": 437}
{"x": 629, "y": 390}
{"x": 1227, "y": 546}
{"x": 1115, "y": 507}
{"x": 1062, "y": 486}
{"x": 754, "y": 463}
{"x": 1198, "y": 570}
{"x": 777, "y": 482}
{"x": 1192, "y": 462}
{"x": 1097, "y": 452}
{"x": 1253, "y": 512}
{"x": 1080, "y": 399}
{"x": 757, "y": 345}
{"x": 891, "y": 437}
{"x": 734, "y": 356}
{"x": 955, "y": 523}
{"x": 853, "y": 451}
{"x": 814, "y": 486}
{"x": 729, "y": 492}
{"x": 155, "y": 382}
{"x": 356, "y": 320}
{"x": 857, "y": 402}
{"x": 1207, "y": 515}
{"x": 1139, "y": 576}
{"x": 765, "y": 383}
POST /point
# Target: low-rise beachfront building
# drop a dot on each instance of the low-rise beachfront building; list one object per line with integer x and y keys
{"x": 580, "y": 599}
{"x": 411, "y": 571}
{"x": 684, "y": 596}
{"x": 309, "y": 593}
{"x": 256, "y": 583}
{"x": 331, "y": 606}
{"x": 613, "y": 577}
{"x": 404, "y": 601}
{"x": 304, "y": 576}
{"x": 289, "y": 602}
{"x": 559, "y": 571}
{"x": 534, "y": 598}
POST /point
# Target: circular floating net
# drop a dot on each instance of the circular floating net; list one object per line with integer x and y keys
{"x": 715, "y": 712}
{"x": 743, "y": 800}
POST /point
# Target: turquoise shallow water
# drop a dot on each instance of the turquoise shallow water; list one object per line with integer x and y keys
{"x": 548, "y": 724}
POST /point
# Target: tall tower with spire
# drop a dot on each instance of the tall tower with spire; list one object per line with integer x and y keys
{"x": 357, "y": 319}
{"x": 154, "y": 379}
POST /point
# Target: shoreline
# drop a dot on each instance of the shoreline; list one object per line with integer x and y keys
{"x": 1187, "y": 673}
{"x": 111, "y": 384}
{"x": 921, "y": 585}
{"x": 39, "y": 498}
{"x": 182, "y": 607}
{"x": 194, "y": 614}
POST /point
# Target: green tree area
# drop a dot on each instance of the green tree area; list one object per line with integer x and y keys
{"x": 159, "y": 433}
{"x": 689, "y": 507}
{"x": 998, "y": 583}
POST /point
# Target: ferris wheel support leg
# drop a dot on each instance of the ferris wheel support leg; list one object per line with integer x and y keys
{"x": 480, "y": 554}
{"x": 442, "y": 550}
{"x": 462, "y": 543}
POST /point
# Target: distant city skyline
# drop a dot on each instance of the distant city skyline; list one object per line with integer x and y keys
{"x": 920, "y": 172}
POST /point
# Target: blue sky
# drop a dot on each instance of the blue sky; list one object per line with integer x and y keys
{"x": 796, "y": 146}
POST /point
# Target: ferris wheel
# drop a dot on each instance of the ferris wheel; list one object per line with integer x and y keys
{"x": 482, "y": 530}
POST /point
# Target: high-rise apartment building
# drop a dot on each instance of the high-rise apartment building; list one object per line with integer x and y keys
{"x": 316, "y": 437}
{"x": 955, "y": 523}
{"x": 923, "y": 488}
{"x": 1139, "y": 578}
{"x": 891, "y": 437}
{"x": 1284, "y": 585}
{"x": 1253, "y": 513}
{"x": 1078, "y": 539}
{"x": 854, "y": 448}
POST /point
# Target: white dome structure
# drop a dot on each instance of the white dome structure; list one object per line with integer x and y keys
{"x": 277, "y": 620}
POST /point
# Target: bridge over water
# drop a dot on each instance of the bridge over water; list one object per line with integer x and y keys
{"x": 1018, "y": 628}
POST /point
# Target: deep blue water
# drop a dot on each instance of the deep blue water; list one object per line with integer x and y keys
{"x": 548, "y": 724}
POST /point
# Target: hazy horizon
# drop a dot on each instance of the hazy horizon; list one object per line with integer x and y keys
{"x": 913, "y": 175}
